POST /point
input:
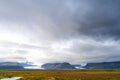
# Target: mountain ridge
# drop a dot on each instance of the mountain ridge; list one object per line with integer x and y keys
{"x": 64, "y": 65}
{"x": 103, "y": 65}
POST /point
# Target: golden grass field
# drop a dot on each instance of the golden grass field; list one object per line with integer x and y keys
{"x": 62, "y": 74}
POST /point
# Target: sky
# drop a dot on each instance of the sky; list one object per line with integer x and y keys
{"x": 74, "y": 31}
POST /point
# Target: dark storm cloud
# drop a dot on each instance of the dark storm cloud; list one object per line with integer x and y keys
{"x": 95, "y": 18}
{"x": 102, "y": 20}
{"x": 67, "y": 18}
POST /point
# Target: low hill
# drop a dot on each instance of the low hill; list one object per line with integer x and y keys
{"x": 57, "y": 66}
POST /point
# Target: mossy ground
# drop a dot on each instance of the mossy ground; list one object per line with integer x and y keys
{"x": 63, "y": 74}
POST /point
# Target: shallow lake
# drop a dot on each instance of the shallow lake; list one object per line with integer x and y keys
{"x": 12, "y": 78}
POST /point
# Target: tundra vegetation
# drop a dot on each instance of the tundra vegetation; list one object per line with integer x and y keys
{"x": 62, "y": 74}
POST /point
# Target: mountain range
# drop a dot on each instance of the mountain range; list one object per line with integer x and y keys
{"x": 61, "y": 66}
{"x": 103, "y": 65}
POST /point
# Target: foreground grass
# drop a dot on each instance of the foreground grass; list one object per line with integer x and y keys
{"x": 62, "y": 74}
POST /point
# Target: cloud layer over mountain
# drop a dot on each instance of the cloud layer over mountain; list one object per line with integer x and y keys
{"x": 75, "y": 31}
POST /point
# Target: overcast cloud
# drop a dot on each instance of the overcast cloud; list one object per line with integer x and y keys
{"x": 75, "y": 31}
